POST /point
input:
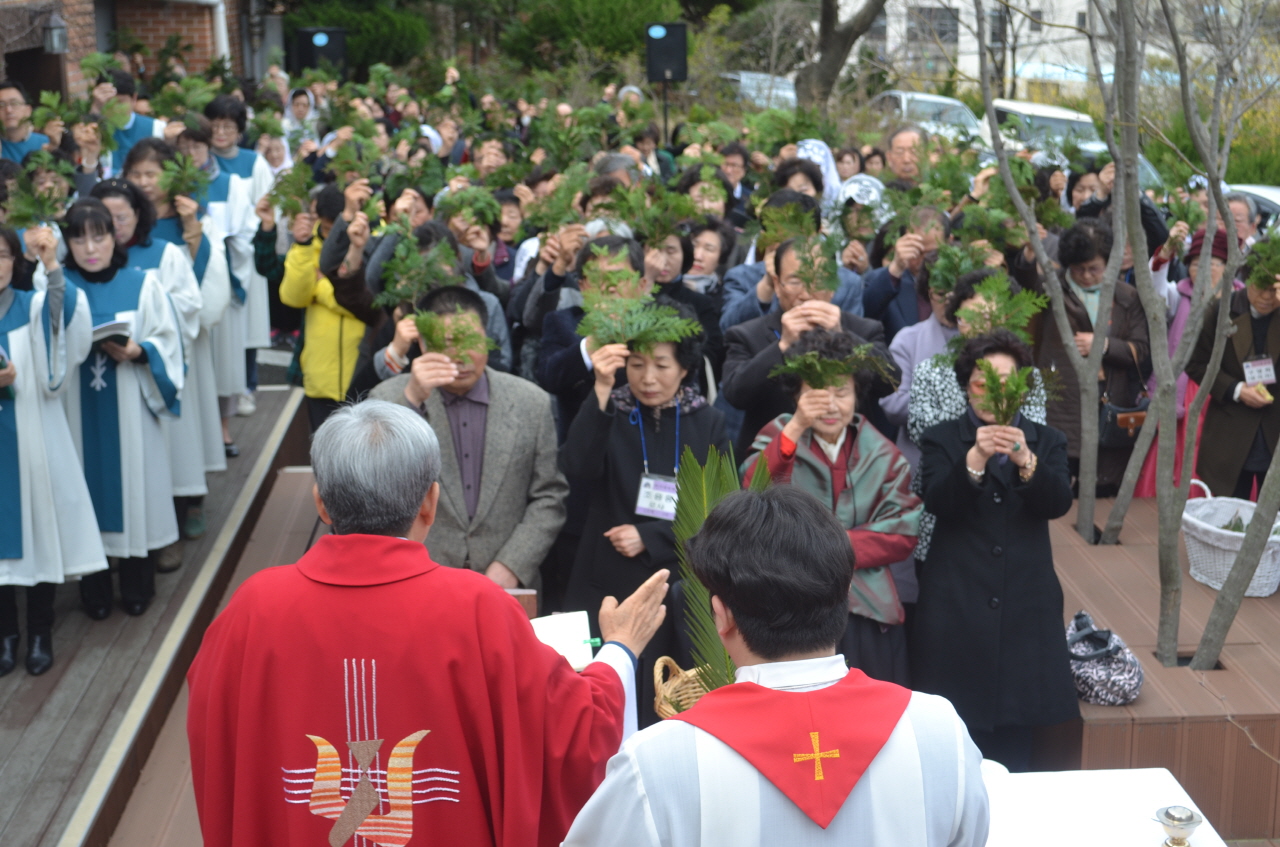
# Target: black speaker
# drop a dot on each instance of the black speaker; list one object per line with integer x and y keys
{"x": 317, "y": 46}
{"x": 667, "y": 52}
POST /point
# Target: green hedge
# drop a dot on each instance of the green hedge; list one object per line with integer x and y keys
{"x": 544, "y": 32}
{"x": 376, "y": 32}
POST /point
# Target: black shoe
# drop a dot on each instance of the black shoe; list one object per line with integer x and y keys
{"x": 8, "y": 654}
{"x": 231, "y": 449}
{"x": 39, "y": 652}
{"x": 97, "y": 611}
{"x": 135, "y": 607}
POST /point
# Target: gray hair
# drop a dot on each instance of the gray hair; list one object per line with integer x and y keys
{"x": 1249, "y": 203}
{"x": 611, "y": 163}
{"x": 374, "y": 463}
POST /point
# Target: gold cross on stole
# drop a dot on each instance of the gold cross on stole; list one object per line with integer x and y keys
{"x": 816, "y": 756}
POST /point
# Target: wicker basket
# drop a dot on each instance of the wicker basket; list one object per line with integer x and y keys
{"x": 1211, "y": 550}
{"x": 677, "y": 692}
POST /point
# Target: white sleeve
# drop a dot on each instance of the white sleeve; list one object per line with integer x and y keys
{"x": 261, "y": 180}
{"x": 178, "y": 275}
{"x": 1165, "y": 289}
{"x": 215, "y": 287}
{"x": 156, "y": 330}
{"x": 621, "y": 661}
{"x": 526, "y": 253}
{"x": 586, "y": 357}
{"x": 618, "y": 814}
{"x": 157, "y": 130}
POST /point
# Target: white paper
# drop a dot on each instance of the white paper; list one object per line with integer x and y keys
{"x": 568, "y": 634}
{"x": 1259, "y": 372}
{"x": 109, "y": 329}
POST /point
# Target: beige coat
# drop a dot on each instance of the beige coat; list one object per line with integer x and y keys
{"x": 522, "y": 492}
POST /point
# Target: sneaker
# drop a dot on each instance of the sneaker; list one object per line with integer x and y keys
{"x": 169, "y": 559}
{"x": 194, "y": 526}
{"x": 245, "y": 406}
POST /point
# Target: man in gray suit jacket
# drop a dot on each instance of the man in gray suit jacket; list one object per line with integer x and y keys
{"x": 502, "y": 495}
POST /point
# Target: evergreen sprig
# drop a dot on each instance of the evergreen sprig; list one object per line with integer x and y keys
{"x": 653, "y": 213}
{"x": 639, "y": 323}
{"x": 1186, "y": 210}
{"x": 410, "y": 273}
{"x": 1000, "y": 229}
{"x": 558, "y": 208}
{"x": 953, "y": 262}
{"x": 1003, "y": 397}
{"x": 1003, "y": 309}
{"x": 475, "y": 203}
{"x": 358, "y": 156}
{"x": 266, "y": 123}
{"x": 463, "y": 337}
{"x": 52, "y": 108}
{"x": 819, "y": 268}
{"x": 27, "y": 207}
{"x": 595, "y": 277}
{"x": 821, "y": 372}
{"x": 291, "y": 193}
{"x": 1264, "y": 263}
{"x": 181, "y": 176}
{"x": 771, "y": 129}
{"x": 425, "y": 175}
{"x": 94, "y": 66}
{"x": 780, "y": 223}
{"x": 714, "y": 134}
{"x": 186, "y": 97}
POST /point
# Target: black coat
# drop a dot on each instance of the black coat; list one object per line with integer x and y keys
{"x": 603, "y": 453}
{"x": 751, "y": 352}
{"x": 989, "y": 633}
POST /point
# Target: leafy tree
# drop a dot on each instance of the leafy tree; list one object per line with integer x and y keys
{"x": 545, "y": 31}
{"x": 376, "y": 31}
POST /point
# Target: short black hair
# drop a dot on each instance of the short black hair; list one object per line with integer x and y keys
{"x": 850, "y": 151}
{"x": 598, "y": 186}
{"x": 131, "y": 194}
{"x": 982, "y": 346}
{"x": 90, "y": 217}
{"x": 1087, "y": 239}
{"x": 18, "y": 87}
{"x": 198, "y": 129}
{"x": 506, "y": 197}
{"x": 613, "y": 245}
{"x": 791, "y": 167}
{"x": 122, "y": 80}
{"x": 448, "y": 299}
{"x": 10, "y": 237}
{"x": 926, "y": 217}
{"x": 689, "y": 350}
{"x": 149, "y": 149}
{"x": 431, "y": 233}
{"x": 828, "y": 344}
{"x": 330, "y": 202}
{"x": 57, "y": 154}
{"x": 791, "y": 197}
{"x": 965, "y": 286}
{"x": 711, "y": 223}
{"x": 873, "y": 153}
{"x": 540, "y": 174}
{"x": 650, "y": 132}
{"x": 736, "y": 148}
{"x": 781, "y": 563}
{"x": 226, "y": 107}
{"x": 693, "y": 176}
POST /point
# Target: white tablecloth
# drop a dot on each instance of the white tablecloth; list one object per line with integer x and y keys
{"x": 1099, "y": 808}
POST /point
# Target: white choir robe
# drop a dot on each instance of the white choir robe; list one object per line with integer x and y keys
{"x": 201, "y": 393}
{"x": 251, "y": 173}
{"x": 231, "y": 212}
{"x": 48, "y": 530}
{"x": 114, "y": 411}
{"x": 674, "y": 785}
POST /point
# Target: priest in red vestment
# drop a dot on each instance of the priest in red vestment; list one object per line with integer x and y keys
{"x": 369, "y": 696}
{"x": 800, "y": 750}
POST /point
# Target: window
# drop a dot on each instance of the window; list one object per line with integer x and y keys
{"x": 879, "y": 28}
{"x": 1082, "y": 20}
{"x": 997, "y": 25}
{"x": 1037, "y": 20}
{"x": 933, "y": 23}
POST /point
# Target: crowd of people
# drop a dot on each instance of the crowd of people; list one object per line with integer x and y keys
{"x": 555, "y": 291}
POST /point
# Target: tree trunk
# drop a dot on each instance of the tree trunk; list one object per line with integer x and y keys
{"x": 816, "y": 80}
{"x": 1141, "y": 448}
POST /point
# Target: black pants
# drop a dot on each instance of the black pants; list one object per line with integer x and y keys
{"x": 39, "y": 608}
{"x": 877, "y": 650}
{"x": 1008, "y": 745}
{"x": 319, "y": 410}
{"x": 1244, "y": 484}
{"x": 137, "y": 583}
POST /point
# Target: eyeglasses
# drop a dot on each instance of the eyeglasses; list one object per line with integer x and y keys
{"x": 12, "y": 104}
{"x": 1089, "y": 270}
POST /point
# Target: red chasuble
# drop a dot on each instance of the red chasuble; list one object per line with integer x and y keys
{"x": 813, "y": 746}
{"x": 368, "y": 696}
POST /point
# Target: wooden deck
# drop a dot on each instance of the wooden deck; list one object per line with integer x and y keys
{"x": 57, "y": 731}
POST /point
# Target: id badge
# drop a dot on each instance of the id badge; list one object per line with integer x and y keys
{"x": 1260, "y": 371}
{"x": 657, "y": 497}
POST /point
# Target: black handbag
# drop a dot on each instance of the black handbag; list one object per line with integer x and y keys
{"x": 1118, "y": 426}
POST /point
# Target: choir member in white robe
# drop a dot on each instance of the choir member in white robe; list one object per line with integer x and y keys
{"x": 801, "y": 750}
{"x": 228, "y": 117}
{"x": 48, "y": 528}
{"x": 114, "y": 404}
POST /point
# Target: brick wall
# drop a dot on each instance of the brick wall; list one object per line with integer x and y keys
{"x": 153, "y": 21}
{"x": 81, "y": 40}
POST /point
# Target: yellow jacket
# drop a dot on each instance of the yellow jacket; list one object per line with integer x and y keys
{"x": 331, "y": 335}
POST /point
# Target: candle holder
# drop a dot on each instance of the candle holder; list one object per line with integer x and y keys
{"x": 1179, "y": 822}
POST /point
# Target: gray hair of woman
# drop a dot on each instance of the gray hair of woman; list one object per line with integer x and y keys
{"x": 374, "y": 463}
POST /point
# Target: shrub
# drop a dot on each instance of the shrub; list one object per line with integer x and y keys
{"x": 376, "y": 32}
{"x": 544, "y": 32}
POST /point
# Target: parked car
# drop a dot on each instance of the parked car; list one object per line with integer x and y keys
{"x": 1024, "y": 123}
{"x": 763, "y": 91}
{"x": 937, "y": 115}
{"x": 1267, "y": 197}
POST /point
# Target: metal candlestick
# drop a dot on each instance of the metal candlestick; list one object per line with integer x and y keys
{"x": 1179, "y": 822}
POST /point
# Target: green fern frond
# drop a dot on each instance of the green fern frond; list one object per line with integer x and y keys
{"x": 475, "y": 202}
{"x": 953, "y": 262}
{"x": 463, "y": 337}
{"x": 1002, "y": 398}
{"x": 639, "y": 323}
{"x": 181, "y": 177}
{"x": 1188, "y": 211}
{"x": 291, "y": 193}
{"x": 410, "y": 273}
{"x": 820, "y": 372}
{"x": 1264, "y": 263}
{"x": 265, "y": 123}
{"x": 94, "y": 66}
{"x": 653, "y": 213}
{"x": 1003, "y": 309}
{"x": 558, "y": 208}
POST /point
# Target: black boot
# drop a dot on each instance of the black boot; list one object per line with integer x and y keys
{"x": 137, "y": 584}
{"x": 8, "y": 653}
{"x": 39, "y": 652}
{"x": 96, "y": 593}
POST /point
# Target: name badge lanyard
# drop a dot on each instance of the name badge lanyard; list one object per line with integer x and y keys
{"x": 644, "y": 452}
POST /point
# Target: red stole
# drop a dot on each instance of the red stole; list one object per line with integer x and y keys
{"x": 813, "y": 746}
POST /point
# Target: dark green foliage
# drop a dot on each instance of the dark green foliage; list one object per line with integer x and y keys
{"x": 544, "y": 33}
{"x": 52, "y": 108}
{"x": 182, "y": 177}
{"x": 124, "y": 40}
{"x": 1003, "y": 397}
{"x": 652, "y": 214}
{"x": 1003, "y": 309}
{"x": 94, "y": 66}
{"x": 265, "y": 123}
{"x": 819, "y": 266}
{"x": 557, "y": 209}
{"x": 714, "y": 134}
{"x": 953, "y": 262}
{"x": 1051, "y": 215}
{"x": 1188, "y": 210}
{"x": 780, "y": 223}
{"x": 475, "y": 203}
{"x": 375, "y": 32}
{"x": 699, "y": 488}
{"x": 291, "y": 193}
{"x": 357, "y": 156}
{"x": 819, "y": 372}
{"x": 606, "y": 282}
{"x": 771, "y": 129}
{"x": 427, "y": 175}
{"x": 465, "y": 336}
{"x": 188, "y": 97}
{"x": 409, "y": 273}
{"x": 638, "y": 323}
{"x": 1264, "y": 263}
{"x": 998, "y": 228}
{"x": 583, "y": 136}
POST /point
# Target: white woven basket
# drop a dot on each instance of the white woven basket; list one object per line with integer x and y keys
{"x": 1211, "y": 550}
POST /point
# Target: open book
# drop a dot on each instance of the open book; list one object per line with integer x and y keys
{"x": 569, "y": 635}
{"x": 117, "y": 331}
